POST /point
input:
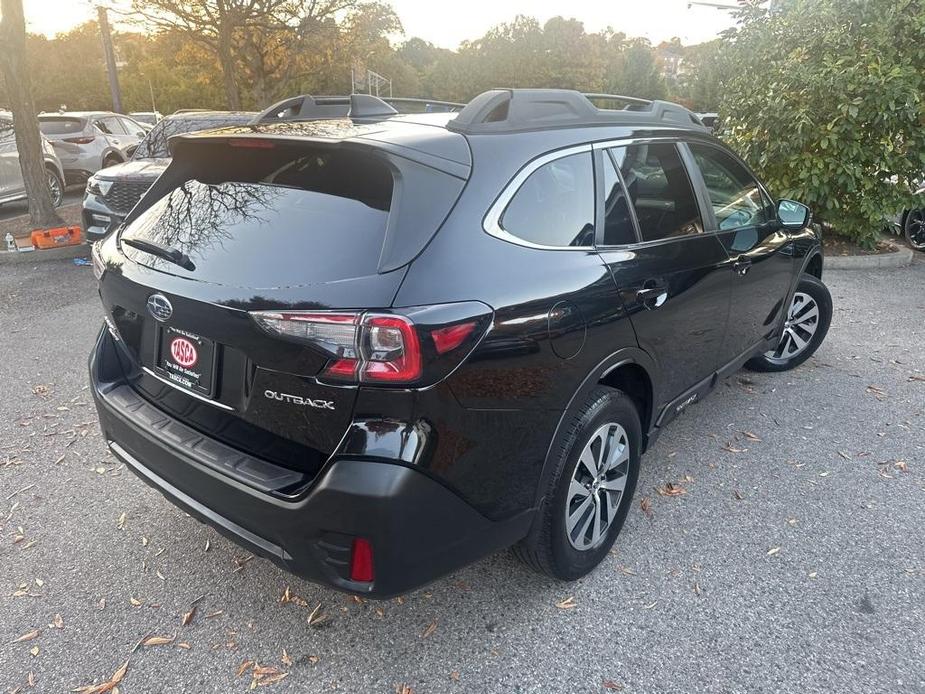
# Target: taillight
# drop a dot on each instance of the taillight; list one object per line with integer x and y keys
{"x": 80, "y": 140}
{"x": 384, "y": 348}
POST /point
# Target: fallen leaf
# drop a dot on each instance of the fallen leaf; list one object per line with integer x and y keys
{"x": 737, "y": 494}
{"x": 158, "y": 640}
{"x": 773, "y": 551}
{"x": 313, "y": 659}
{"x": 567, "y": 604}
{"x": 317, "y": 618}
{"x": 733, "y": 449}
{"x": 454, "y": 676}
{"x": 57, "y": 623}
{"x": 286, "y": 660}
{"x": 28, "y": 636}
{"x": 430, "y": 629}
{"x": 751, "y": 436}
{"x": 184, "y": 645}
{"x": 403, "y": 689}
{"x": 612, "y": 686}
{"x": 243, "y": 667}
{"x": 160, "y": 575}
{"x": 135, "y": 602}
{"x": 121, "y": 524}
{"x": 646, "y": 505}
{"x": 144, "y": 541}
{"x": 916, "y": 377}
{"x": 188, "y": 616}
{"x": 34, "y": 651}
{"x": 671, "y": 489}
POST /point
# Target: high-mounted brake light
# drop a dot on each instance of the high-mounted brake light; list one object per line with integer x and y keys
{"x": 250, "y": 143}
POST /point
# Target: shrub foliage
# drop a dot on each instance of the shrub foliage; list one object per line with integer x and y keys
{"x": 825, "y": 99}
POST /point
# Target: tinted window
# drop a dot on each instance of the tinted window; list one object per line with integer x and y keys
{"x": 60, "y": 126}
{"x": 110, "y": 126}
{"x": 660, "y": 190}
{"x": 618, "y": 223}
{"x": 266, "y": 218}
{"x": 555, "y": 205}
{"x": 736, "y": 199}
{"x": 131, "y": 127}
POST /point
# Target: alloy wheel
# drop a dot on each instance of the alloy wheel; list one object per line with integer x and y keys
{"x": 54, "y": 188}
{"x": 799, "y": 328}
{"x": 915, "y": 229}
{"x": 596, "y": 487}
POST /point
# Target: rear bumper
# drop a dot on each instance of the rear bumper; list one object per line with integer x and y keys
{"x": 418, "y": 528}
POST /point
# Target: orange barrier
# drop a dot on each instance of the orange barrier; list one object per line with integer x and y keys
{"x": 57, "y": 237}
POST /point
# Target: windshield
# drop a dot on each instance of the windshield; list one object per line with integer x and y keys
{"x": 154, "y": 146}
{"x": 60, "y": 126}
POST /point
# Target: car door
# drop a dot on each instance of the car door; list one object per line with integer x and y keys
{"x": 761, "y": 259}
{"x": 11, "y": 181}
{"x": 114, "y": 131}
{"x": 672, "y": 277}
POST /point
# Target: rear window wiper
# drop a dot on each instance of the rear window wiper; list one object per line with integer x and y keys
{"x": 174, "y": 255}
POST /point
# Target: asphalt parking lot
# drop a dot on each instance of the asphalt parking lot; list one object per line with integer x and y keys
{"x": 794, "y": 561}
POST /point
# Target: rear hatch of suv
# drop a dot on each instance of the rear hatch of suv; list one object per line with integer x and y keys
{"x": 242, "y": 225}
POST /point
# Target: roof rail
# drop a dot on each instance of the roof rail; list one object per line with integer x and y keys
{"x": 308, "y": 107}
{"x": 521, "y": 110}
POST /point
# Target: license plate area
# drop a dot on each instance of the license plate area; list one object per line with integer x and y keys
{"x": 186, "y": 360}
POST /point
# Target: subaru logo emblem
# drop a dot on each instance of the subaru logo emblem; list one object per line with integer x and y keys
{"x": 159, "y": 307}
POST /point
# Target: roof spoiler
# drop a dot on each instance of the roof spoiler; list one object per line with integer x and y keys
{"x": 516, "y": 110}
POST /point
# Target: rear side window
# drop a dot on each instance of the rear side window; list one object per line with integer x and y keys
{"x": 659, "y": 189}
{"x": 110, "y": 126}
{"x": 60, "y": 126}
{"x": 555, "y": 205}
{"x": 735, "y": 196}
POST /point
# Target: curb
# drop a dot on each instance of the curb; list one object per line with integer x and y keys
{"x": 901, "y": 258}
{"x": 80, "y": 250}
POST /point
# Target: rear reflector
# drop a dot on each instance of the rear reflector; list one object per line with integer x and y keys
{"x": 361, "y": 561}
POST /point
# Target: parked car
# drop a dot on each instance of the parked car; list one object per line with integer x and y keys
{"x": 911, "y": 224}
{"x": 12, "y": 187}
{"x": 87, "y": 141}
{"x": 112, "y": 192}
{"x": 709, "y": 120}
{"x": 149, "y": 118}
{"x": 374, "y": 349}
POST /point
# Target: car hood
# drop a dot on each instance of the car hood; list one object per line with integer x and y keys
{"x": 135, "y": 170}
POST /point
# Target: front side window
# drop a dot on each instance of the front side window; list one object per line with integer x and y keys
{"x": 735, "y": 196}
{"x": 555, "y": 205}
{"x": 659, "y": 189}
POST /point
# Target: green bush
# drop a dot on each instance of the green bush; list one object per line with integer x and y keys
{"x": 825, "y": 100}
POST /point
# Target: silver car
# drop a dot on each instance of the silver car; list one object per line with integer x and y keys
{"x": 11, "y": 181}
{"x": 87, "y": 141}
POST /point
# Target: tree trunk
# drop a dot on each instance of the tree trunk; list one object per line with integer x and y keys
{"x": 226, "y": 58}
{"x": 15, "y": 70}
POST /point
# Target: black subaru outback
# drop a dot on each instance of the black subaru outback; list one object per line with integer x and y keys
{"x": 375, "y": 348}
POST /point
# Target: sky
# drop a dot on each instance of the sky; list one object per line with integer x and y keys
{"x": 446, "y": 24}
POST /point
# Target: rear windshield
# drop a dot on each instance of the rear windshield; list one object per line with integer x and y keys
{"x": 60, "y": 126}
{"x": 281, "y": 222}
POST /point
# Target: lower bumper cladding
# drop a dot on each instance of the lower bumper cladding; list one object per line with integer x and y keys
{"x": 363, "y": 526}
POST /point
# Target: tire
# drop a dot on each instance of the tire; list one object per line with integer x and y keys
{"x": 914, "y": 229}
{"x": 55, "y": 187}
{"x": 803, "y": 333}
{"x": 549, "y": 549}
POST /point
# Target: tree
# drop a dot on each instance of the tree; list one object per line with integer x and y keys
{"x": 827, "y": 101}
{"x": 243, "y": 31}
{"x": 16, "y": 76}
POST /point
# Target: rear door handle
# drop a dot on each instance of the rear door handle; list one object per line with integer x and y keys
{"x": 742, "y": 265}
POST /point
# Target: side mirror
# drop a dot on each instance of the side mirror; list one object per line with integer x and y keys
{"x": 794, "y": 215}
